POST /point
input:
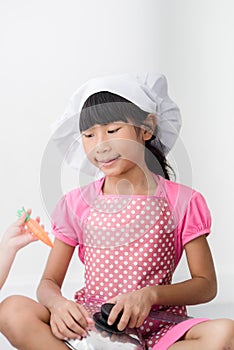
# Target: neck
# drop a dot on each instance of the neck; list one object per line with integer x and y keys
{"x": 138, "y": 182}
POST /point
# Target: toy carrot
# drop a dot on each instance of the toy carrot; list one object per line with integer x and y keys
{"x": 35, "y": 228}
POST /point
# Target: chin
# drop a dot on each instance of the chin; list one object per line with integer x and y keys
{"x": 109, "y": 172}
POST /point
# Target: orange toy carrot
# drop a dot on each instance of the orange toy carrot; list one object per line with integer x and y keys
{"x": 35, "y": 228}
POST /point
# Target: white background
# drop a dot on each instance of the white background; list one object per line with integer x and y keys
{"x": 49, "y": 48}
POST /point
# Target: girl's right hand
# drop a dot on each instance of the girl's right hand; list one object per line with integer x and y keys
{"x": 70, "y": 320}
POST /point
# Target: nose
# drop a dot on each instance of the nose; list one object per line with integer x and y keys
{"x": 103, "y": 147}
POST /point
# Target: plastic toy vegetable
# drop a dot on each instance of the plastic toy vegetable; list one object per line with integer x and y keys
{"x": 35, "y": 228}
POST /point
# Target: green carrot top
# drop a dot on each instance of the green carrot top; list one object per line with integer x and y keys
{"x": 20, "y": 213}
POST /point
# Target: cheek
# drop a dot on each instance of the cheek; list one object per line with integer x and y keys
{"x": 88, "y": 148}
{"x": 131, "y": 150}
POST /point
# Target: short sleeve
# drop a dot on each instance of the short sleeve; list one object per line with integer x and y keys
{"x": 65, "y": 224}
{"x": 197, "y": 219}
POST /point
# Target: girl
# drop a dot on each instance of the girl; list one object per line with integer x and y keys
{"x": 131, "y": 226}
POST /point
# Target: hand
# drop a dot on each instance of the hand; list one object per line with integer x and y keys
{"x": 69, "y": 320}
{"x": 17, "y": 235}
{"x": 135, "y": 305}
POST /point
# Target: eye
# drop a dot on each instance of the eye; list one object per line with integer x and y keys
{"x": 113, "y": 131}
{"x": 88, "y": 135}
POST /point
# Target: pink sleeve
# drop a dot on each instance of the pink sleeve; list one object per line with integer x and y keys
{"x": 64, "y": 225}
{"x": 190, "y": 213}
{"x": 196, "y": 221}
{"x": 70, "y": 213}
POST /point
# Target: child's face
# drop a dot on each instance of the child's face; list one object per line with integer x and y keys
{"x": 114, "y": 148}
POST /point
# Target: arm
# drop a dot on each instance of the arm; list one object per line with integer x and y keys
{"x": 15, "y": 238}
{"x": 200, "y": 288}
{"x": 7, "y": 256}
{"x": 49, "y": 289}
{"x": 68, "y": 319}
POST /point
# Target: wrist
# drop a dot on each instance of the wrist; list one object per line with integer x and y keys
{"x": 55, "y": 301}
{"x": 7, "y": 248}
{"x": 153, "y": 295}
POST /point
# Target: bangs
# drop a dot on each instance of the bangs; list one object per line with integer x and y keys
{"x": 105, "y": 107}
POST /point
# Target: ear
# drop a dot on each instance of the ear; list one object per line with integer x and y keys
{"x": 149, "y": 126}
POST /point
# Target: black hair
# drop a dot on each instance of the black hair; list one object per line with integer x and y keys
{"x": 105, "y": 107}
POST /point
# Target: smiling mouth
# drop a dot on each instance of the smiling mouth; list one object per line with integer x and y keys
{"x": 106, "y": 162}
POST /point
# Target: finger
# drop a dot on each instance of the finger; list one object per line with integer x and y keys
{"x": 76, "y": 321}
{"x": 20, "y": 220}
{"x": 29, "y": 211}
{"x": 141, "y": 319}
{"x": 56, "y": 331}
{"x": 61, "y": 331}
{"x": 124, "y": 321}
{"x": 73, "y": 328}
{"x": 86, "y": 315}
{"x": 114, "y": 313}
{"x": 133, "y": 321}
{"x": 38, "y": 219}
{"x": 22, "y": 217}
{"x": 68, "y": 328}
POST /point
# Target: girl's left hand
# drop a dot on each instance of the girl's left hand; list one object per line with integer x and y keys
{"x": 136, "y": 306}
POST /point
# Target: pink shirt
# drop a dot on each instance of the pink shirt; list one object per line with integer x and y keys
{"x": 128, "y": 242}
{"x": 191, "y": 214}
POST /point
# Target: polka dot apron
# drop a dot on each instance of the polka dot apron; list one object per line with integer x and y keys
{"x": 129, "y": 244}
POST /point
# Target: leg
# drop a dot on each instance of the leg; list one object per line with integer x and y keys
{"x": 209, "y": 335}
{"x": 25, "y": 323}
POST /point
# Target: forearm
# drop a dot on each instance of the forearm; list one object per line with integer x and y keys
{"x": 49, "y": 293}
{"x": 49, "y": 289}
{"x": 197, "y": 290}
{"x": 7, "y": 256}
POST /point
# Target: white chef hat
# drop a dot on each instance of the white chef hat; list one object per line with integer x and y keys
{"x": 148, "y": 91}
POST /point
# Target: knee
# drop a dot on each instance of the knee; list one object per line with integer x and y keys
{"x": 8, "y": 308}
{"x": 224, "y": 330}
{"x": 15, "y": 317}
{"x": 13, "y": 311}
{"x": 12, "y": 308}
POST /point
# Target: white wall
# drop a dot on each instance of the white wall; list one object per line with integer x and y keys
{"x": 48, "y": 48}
{"x": 196, "y": 51}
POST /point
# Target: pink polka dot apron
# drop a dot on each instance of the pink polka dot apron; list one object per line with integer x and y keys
{"x": 129, "y": 244}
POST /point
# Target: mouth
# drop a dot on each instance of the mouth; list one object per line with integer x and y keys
{"x": 107, "y": 162}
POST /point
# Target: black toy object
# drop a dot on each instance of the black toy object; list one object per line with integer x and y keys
{"x": 100, "y": 319}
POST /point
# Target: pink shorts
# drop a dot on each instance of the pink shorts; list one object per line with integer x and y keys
{"x": 174, "y": 334}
